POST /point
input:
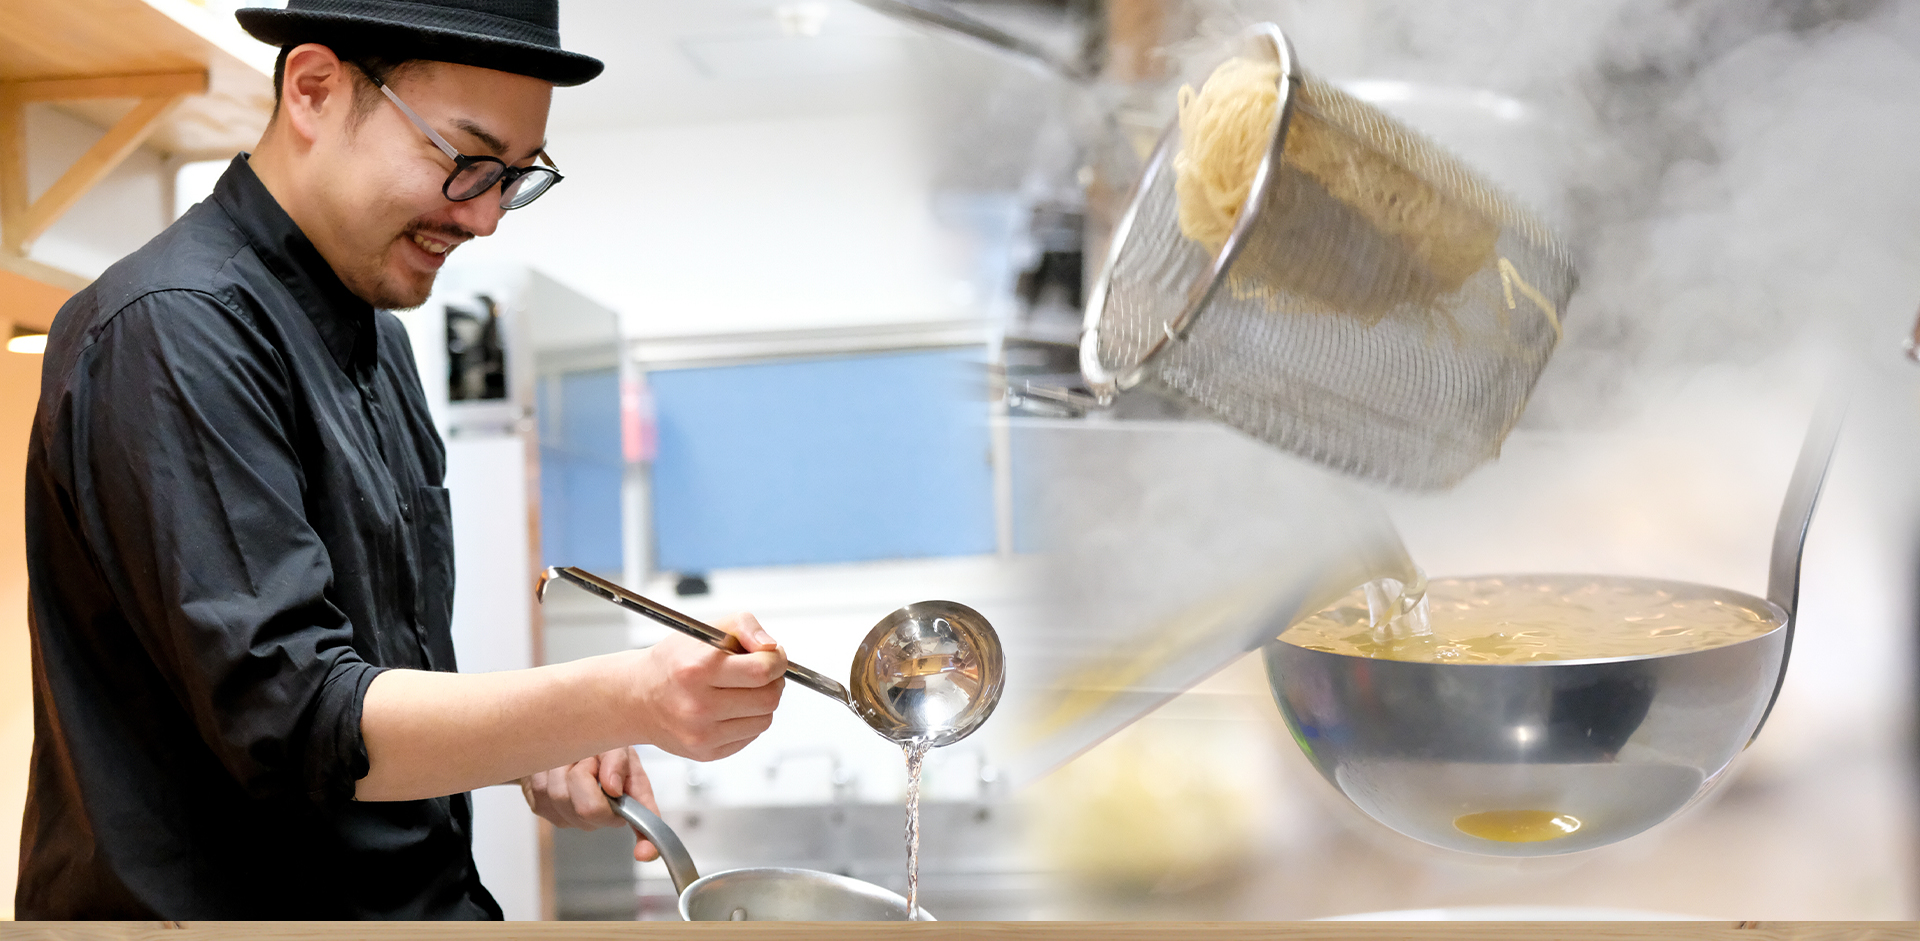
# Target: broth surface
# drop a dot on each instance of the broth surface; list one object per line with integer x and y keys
{"x": 1526, "y": 618}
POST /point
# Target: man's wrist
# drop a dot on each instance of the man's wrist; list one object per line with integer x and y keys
{"x": 617, "y": 685}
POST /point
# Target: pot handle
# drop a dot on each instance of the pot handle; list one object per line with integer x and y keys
{"x": 672, "y": 852}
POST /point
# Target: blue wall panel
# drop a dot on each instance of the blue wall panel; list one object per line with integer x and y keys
{"x": 580, "y": 471}
{"x": 832, "y": 460}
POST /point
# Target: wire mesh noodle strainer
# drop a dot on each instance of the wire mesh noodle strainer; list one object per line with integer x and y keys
{"x": 1377, "y": 308}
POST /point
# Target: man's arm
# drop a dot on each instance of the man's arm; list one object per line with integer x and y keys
{"x": 429, "y": 734}
{"x": 190, "y": 492}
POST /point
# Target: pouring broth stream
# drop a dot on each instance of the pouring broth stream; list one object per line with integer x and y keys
{"x": 916, "y": 759}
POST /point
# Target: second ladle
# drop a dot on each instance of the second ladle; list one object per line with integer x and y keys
{"x": 929, "y": 672}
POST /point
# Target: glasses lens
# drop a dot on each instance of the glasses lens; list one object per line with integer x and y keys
{"x": 474, "y": 178}
{"x": 528, "y": 187}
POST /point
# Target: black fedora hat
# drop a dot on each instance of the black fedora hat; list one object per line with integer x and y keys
{"x": 518, "y": 36}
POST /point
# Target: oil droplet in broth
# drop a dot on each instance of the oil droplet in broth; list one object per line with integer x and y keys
{"x": 1517, "y": 826}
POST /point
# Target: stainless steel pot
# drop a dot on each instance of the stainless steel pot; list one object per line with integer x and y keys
{"x": 765, "y": 894}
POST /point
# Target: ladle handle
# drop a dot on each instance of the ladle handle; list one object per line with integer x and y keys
{"x": 698, "y": 630}
{"x": 1803, "y": 493}
{"x": 1796, "y": 515}
{"x": 672, "y": 852}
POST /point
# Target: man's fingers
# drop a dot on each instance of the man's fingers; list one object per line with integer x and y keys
{"x": 702, "y": 716}
{"x": 707, "y": 703}
{"x": 729, "y": 736}
{"x": 582, "y": 789}
{"x": 553, "y": 796}
{"x": 747, "y": 628}
{"x": 622, "y": 774}
{"x": 588, "y": 801}
{"x": 749, "y": 670}
{"x": 534, "y": 789}
{"x": 616, "y": 768}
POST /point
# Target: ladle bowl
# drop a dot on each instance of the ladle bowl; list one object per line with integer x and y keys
{"x": 931, "y": 671}
{"x": 1617, "y": 745}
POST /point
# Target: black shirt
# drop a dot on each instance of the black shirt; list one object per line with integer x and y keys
{"x": 235, "y": 520}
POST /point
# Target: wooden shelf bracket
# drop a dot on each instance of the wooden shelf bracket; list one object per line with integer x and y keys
{"x": 23, "y": 221}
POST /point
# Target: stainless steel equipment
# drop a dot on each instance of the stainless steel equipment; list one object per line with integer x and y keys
{"x": 1377, "y": 308}
{"x": 769, "y": 894}
{"x": 929, "y": 672}
{"x": 1619, "y": 744}
{"x": 946, "y": 17}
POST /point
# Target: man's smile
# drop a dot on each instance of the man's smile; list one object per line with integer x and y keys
{"x": 433, "y": 245}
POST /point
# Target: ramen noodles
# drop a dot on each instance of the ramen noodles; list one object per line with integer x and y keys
{"x": 1224, "y": 132}
{"x": 1226, "y": 129}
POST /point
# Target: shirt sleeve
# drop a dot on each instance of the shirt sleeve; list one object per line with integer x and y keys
{"x": 189, "y": 490}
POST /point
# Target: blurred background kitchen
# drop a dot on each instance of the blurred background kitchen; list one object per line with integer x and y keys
{"x": 754, "y": 355}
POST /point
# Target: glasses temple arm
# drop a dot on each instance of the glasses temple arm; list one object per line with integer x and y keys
{"x": 432, "y": 135}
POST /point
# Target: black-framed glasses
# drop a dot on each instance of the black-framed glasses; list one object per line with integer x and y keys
{"x": 472, "y": 176}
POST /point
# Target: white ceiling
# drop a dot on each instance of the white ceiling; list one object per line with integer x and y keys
{"x": 679, "y": 61}
{"x": 684, "y": 61}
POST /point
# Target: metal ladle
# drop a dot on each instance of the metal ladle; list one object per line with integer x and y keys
{"x": 930, "y": 672}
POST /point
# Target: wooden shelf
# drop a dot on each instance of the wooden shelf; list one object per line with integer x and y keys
{"x": 68, "y": 39}
{"x": 171, "y": 75}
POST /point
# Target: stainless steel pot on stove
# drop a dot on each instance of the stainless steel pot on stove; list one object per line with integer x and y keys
{"x": 761, "y": 894}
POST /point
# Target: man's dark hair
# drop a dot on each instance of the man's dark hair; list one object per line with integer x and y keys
{"x": 368, "y": 63}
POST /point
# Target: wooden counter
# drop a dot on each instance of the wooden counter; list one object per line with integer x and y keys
{"x": 981, "y": 931}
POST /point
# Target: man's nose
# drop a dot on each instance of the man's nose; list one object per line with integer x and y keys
{"x": 481, "y": 214}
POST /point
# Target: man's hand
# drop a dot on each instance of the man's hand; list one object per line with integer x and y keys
{"x": 704, "y": 703}
{"x": 429, "y": 734}
{"x": 576, "y": 796}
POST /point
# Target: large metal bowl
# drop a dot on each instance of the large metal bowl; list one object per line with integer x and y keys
{"x": 769, "y": 894}
{"x": 1620, "y": 744}
{"x": 764, "y": 894}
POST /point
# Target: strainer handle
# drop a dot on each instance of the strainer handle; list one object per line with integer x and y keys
{"x": 944, "y": 16}
{"x": 1079, "y": 402}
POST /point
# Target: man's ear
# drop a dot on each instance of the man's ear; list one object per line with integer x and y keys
{"x": 316, "y": 91}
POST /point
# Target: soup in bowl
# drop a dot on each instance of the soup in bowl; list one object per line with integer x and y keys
{"x": 1543, "y": 714}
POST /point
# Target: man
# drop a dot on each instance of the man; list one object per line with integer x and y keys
{"x": 238, "y": 543}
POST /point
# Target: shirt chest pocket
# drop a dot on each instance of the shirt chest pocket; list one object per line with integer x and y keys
{"x": 432, "y": 522}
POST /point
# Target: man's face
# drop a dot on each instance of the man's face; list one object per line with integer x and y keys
{"x": 390, "y": 228}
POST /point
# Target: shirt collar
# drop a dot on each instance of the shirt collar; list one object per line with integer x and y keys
{"x": 344, "y": 321}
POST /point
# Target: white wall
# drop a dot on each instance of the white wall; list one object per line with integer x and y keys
{"x": 761, "y": 225}
{"x": 117, "y": 216}
{"x": 493, "y": 630}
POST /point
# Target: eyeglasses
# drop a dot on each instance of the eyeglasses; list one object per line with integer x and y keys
{"x": 472, "y": 176}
